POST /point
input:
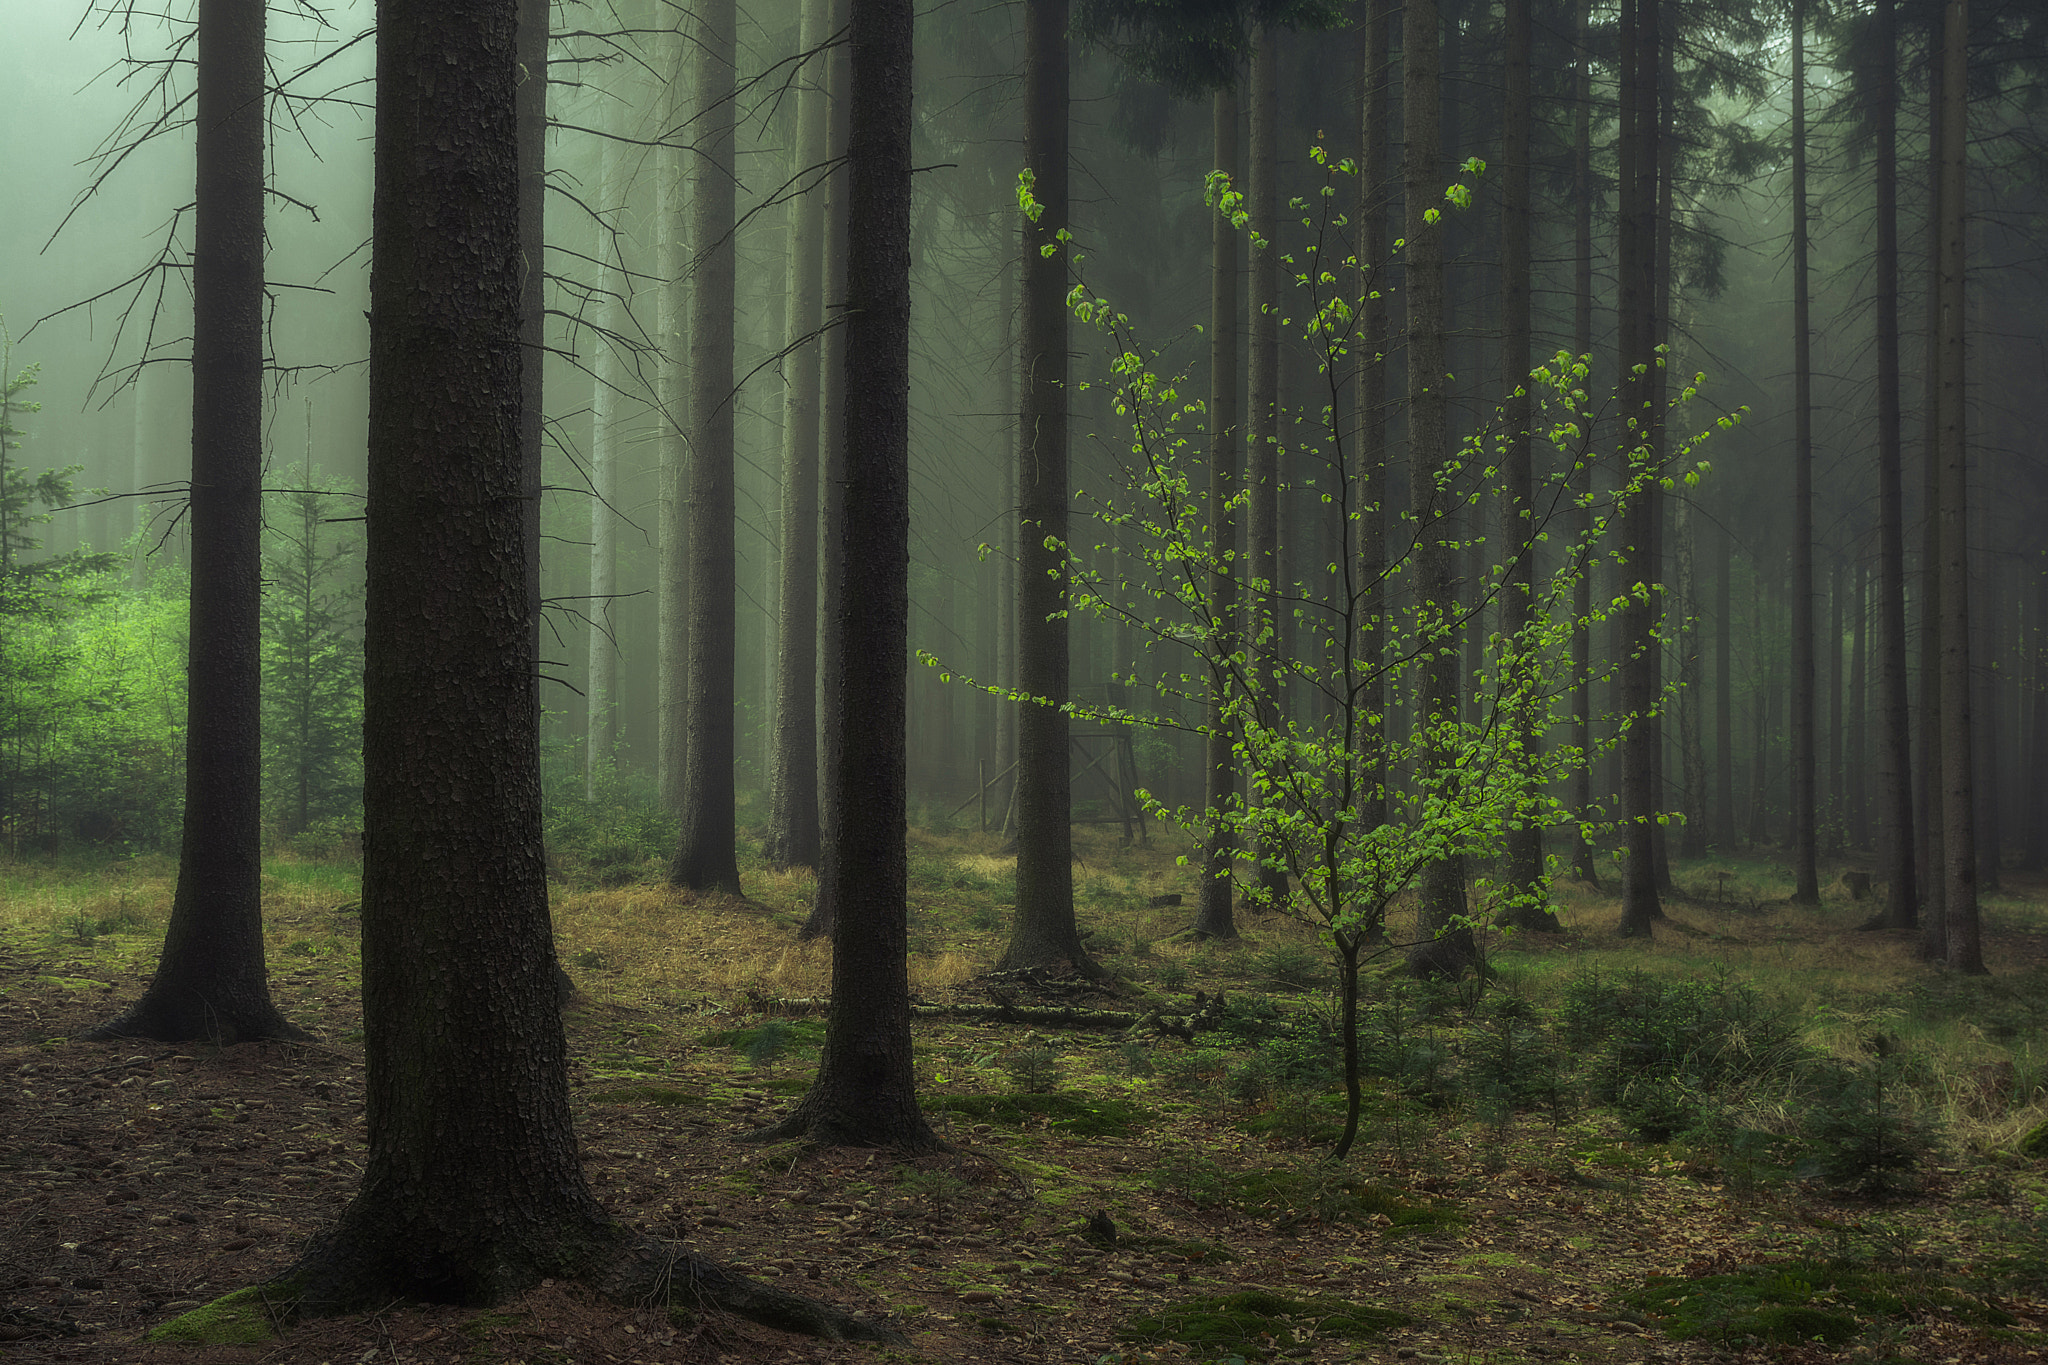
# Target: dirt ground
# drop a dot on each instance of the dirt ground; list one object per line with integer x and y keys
{"x": 139, "y": 1180}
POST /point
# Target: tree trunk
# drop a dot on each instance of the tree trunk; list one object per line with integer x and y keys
{"x": 1375, "y": 191}
{"x": 707, "y": 853}
{"x": 1692, "y": 765}
{"x": 210, "y": 982}
{"x": 1213, "y": 918}
{"x": 1043, "y": 931}
{"x": 1444, "y": 944}
{"x": 1262, "y": 638}
{"x": 1964, "y": 949}
{"x": 1581, "y": 801}
{"x": 793, "y": 833}
{"x": 1522, "y": 870}
{"x": 1637, "y": 243}
{"x": 1856, "y": 780}
{"x": 601, "y": 693}
{"x": 865, "y": 1093}
{"x": 1835, "y": 808}
{"x": 2037, "y": 747}
{"x": 672, "y": 393}
{"x": 1933, "y": 827}
{"x": 1805, "y": 871}
{"x": 1724, "y": 690}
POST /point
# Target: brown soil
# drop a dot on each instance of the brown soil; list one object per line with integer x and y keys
{"x": 138, "y": 1180}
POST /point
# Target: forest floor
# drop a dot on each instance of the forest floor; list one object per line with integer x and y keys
{"x": 1477, "y": 1221}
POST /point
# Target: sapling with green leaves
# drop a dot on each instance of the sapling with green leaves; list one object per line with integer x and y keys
{"x": 1453, "y": 786}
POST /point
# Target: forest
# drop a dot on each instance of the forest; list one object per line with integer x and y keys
{"x": 1081, "y": 680}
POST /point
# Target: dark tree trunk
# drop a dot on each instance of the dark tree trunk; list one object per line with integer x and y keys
{"x": 2037, "y": 747}
{"x": 1213, "y": 917}
{"x": 1043, "y": 932}
{"x": 210, "y": 982}
{"x": 1724, "y": 690}
{"x": 707, "y": 853}
{"x": 1375, "y": 192}
{"x": 1933, "y": 827}
{"x": 1805, "y": 870}
{"x": 1963, "y": 949}
{"x": 1523, "y": 871}
{"x": 1837, "y": 805}
{"x": 865, "y": 1093}
{"x": 1640, "y": 907}
{"x": 1444, "y": 945}
{"x": 672, "y": 392}
{"x": 473, "y": 1190}
{"x": 1856, "y": 761}
{"x": 1895, "y": 833}
{"x": 1582, "y": 475}
{"x": 1264, "y": 628}
{"x": 793, "y": 831}
{"x": 1986, "y": 670}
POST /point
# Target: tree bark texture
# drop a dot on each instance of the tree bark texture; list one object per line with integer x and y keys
{"x": 672, "y": 397}
{"x": 866, "y": 1089}
{"x": 1805, "y": 867}
{"x": 1375, "y": 194}
{"x": 1043, "y": 931}
{"x": 1213, "y": 917}
{"x": 210, "y": 982}
{"x": 1444, "y": 945}
{"x": 1581, "y": 799}
{"x": 707, "y": 853}
{"x": 601, "y": 693}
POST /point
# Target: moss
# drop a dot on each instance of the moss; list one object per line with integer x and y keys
{"x": 242, "y": 1318}
{"x": 1078, "y": 1115}
{"x": 665, "y": 1095}
{"x": 1246, "y": 1323}
{"x": 1789, "y": 1302}
{"x": 2035, "y": 1143}
{"x": 795, "y": 1033}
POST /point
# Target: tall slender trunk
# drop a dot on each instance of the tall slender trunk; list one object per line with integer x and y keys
{"x": 2037, "y": 747}
{"x": 1213, "y": 916}
{"x": 1894, "y": 730}
{"x": 1523, "y": 870}
{"x": 211, "y": 981}
{"x": 1724, "y": 690}
{"x": 1637, "y": 243}
{"x": 1964, "y": 948}
{"x": 1375, "y": 192}
{"x": 1262, "y": 619}
{"x": 1581, "y": 800}
{"x": 1855, "y": 778}
{"x": 1444, "y": 942}
{"x": 1663, "y": 155}
{"x": 1043, "y": 931}
{"x": 672, "y": 394}
{"x": 1805, "y": 871}
{"x": 793, "y": 829}
{"x": 601, "y": 691}
{"x": 707, "y": 853}
{"x": 1933, "y": 826}
{"x": 1692, "y": 765}
{"x": 1834, "y": 809}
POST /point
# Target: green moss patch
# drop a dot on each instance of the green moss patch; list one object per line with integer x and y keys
{"x": 1335, "y": 1197}
{"x": 1789, "y": 1302}
{"x": 242, "y": 1318}
{"x": 1078, "y": 1115}
{"x": 1255, "y": 1320}
{"x": 776, "y": 1034}
{"x": 665, "y": 1095}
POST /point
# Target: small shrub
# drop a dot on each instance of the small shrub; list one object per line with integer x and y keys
{"x": 1295, "y": 966}
{"x": 1859, "y": 1140}
{"x": 1034, "y": 1067}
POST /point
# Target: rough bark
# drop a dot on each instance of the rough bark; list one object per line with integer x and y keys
{"x": 1522, "y": 870}
{"x": 1582, "y": 474}
{"x": 793, "y": 833}
{"x": 1932, "y": 826}
{"x": 1043, "y": 930}
{"x": 865, "y": 1093}
{"x": 1895, "y": 833}
{"x": 1213, "y": 917}
{"x": 1638, "y": 666}
{"x": 1964, "y": 948}
{"x": 1805, "y": 869}
{"x": 210, "y": 982}
{"x": 1444, "y": 945}
{"x": 707, "y": 852}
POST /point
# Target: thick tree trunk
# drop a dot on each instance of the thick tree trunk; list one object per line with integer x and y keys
{"x": 1964, "y": 949}
{"x": 707, "y": 853}
{"x": 1637, "y": 244}
{"x": 1043, "y": 931}
{"x": 793, "y": 832}
{"x": 1805, "y": 871}
{"x": 1444, "y": 944}
{"x": 210, "y": 982}
{"x": 1213, "y": 918}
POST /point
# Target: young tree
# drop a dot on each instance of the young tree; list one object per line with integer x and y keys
{"x": 211, "y": 981}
